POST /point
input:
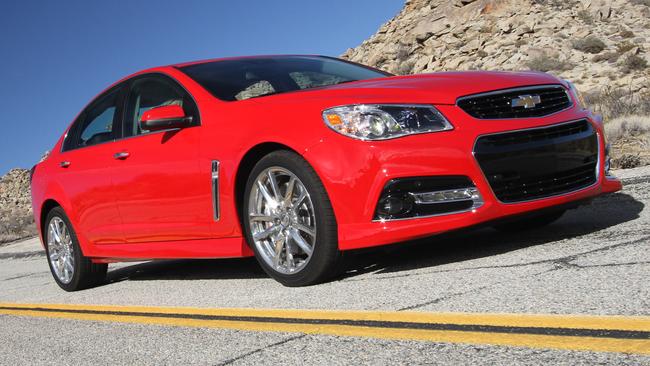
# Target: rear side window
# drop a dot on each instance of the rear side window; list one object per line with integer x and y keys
{"x": 100, "y": 127}
{"x": 151, "y": 92}
{"x": 97, "y": 124}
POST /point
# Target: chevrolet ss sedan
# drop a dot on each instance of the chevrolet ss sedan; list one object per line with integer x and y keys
{"x": 296, "y": 159}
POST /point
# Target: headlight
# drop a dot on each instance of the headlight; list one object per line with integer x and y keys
{"x": 576, "y": 94}
{"x": 381, "y": 122}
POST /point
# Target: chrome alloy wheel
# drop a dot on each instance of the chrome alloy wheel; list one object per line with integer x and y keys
{"x": 282, "y": 220}
{"x": 60, "y": 250}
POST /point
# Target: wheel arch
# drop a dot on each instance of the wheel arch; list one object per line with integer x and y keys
{"x": 46, "y": 207}
{"x": 246, "y": 164}
{"x": 53, "y": 196}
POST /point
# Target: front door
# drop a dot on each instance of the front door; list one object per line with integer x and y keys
{"x": 161, "y": 193}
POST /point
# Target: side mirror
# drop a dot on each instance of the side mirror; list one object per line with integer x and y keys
{"x": 163, "y": 118}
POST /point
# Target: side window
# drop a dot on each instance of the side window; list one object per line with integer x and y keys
{"x": 99, "y": 121}
{"x": 70, "y": 141}
{"x": 152, "y": 92}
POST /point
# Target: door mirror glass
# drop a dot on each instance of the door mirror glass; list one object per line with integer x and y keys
{"x": 164, "y": 117}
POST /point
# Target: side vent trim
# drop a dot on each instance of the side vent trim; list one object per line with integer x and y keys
{"x": 215, "y": 190}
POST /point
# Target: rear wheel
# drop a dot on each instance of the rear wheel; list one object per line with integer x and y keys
{"x": 70, "y": 269}
{"x": 289, "y": 221}
{"x": 529, "y": 223}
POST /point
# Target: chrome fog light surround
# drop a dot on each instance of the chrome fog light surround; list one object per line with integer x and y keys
{"x": 419, "y": 197}
{"x": 449, "y": 195}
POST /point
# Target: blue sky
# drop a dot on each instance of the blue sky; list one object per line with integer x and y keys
{"x": 57, "y": 55}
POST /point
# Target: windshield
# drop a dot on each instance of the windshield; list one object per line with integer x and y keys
{"x": 240, "y": 79}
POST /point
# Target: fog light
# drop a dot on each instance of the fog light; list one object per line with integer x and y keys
{"x": 392, "y": 206}
{"x": 414, "y": 197}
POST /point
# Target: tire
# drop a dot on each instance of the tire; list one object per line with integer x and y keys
{"x": 283, "y": 224}
{"x": 530, "y": 223}
{"x": 82, "y": 273}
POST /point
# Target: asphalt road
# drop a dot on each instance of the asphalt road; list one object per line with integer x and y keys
{"x": 594, "y": 261}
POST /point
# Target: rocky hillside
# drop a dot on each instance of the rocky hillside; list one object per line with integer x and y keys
{"x": 595, "y": 43}
{"x": 16, "y": 219}
{"x": 603, "y": 46}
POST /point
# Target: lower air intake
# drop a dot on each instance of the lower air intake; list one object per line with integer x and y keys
{"x": 541, "y": 162}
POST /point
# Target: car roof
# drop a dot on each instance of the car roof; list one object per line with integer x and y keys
{"x": 183, "y": 64}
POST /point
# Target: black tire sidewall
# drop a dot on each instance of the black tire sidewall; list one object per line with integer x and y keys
{"x": 322, "y": 263}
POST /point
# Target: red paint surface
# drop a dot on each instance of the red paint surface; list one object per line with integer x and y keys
{"x": 157, "y": 202}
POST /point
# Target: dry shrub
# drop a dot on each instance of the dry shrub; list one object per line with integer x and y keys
{"x": 405, "y": 68}
{"x": 613, "y": 103}
{"x": 546, "y": 63}
{"x": 627, "y": 126}
{"x": 627, "y": 33}
{"x": 634, "y": 63}
{"x": 15, "y": 226}
{"x": 585, "y": 16}
{"x": 403, "y": 52}
{"x": 630, "y": 140}
{"x": 606, "y": 56}
{"x": 627, "y": 161}
{"x": 590, "y": 44}
{"x": 625, "y": 46}
{"x": 557, "y": 4}
{"x": 487, "y": 29}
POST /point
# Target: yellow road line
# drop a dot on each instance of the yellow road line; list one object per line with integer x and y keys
{"x": 574, "y": 332}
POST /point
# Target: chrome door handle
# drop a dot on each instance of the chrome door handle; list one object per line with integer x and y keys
{"x": 64, "y": 164}
{"x": 121, "y": 155}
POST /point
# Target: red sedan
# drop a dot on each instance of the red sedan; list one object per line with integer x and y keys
{"x": 295, "y": 159}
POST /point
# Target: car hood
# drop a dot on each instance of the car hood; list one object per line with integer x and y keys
{"x": 435, "y": 88}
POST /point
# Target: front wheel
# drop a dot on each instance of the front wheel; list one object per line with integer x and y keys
{"x": 289, "y": 221}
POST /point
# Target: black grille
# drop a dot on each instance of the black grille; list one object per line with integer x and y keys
{"x": 540, "y": 134}
{"x": 538, "y": 163}
{"x": 499, "y": 104}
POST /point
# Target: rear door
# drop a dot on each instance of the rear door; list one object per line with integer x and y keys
{"x": 161, "y": 193}
{"x": 84, "y": 168}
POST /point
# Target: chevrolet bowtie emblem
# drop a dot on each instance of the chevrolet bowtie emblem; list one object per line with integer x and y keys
{"x": 526, "y": 101}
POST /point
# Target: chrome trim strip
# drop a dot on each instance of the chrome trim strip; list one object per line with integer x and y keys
{"x": 538, "y": 128}
{"x": 420, "y": 200}
{"x": 471, "y": 209}
{"x": 502, "y": 91}
{"x": 215, "y": 190}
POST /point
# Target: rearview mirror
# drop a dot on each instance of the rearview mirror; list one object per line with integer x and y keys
{"x": 165, "y": 117}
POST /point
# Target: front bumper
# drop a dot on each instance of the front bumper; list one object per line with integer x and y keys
{"x": 355, "y": 172}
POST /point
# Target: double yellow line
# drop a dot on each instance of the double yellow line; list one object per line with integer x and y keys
{"x": 584, "y": 333}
